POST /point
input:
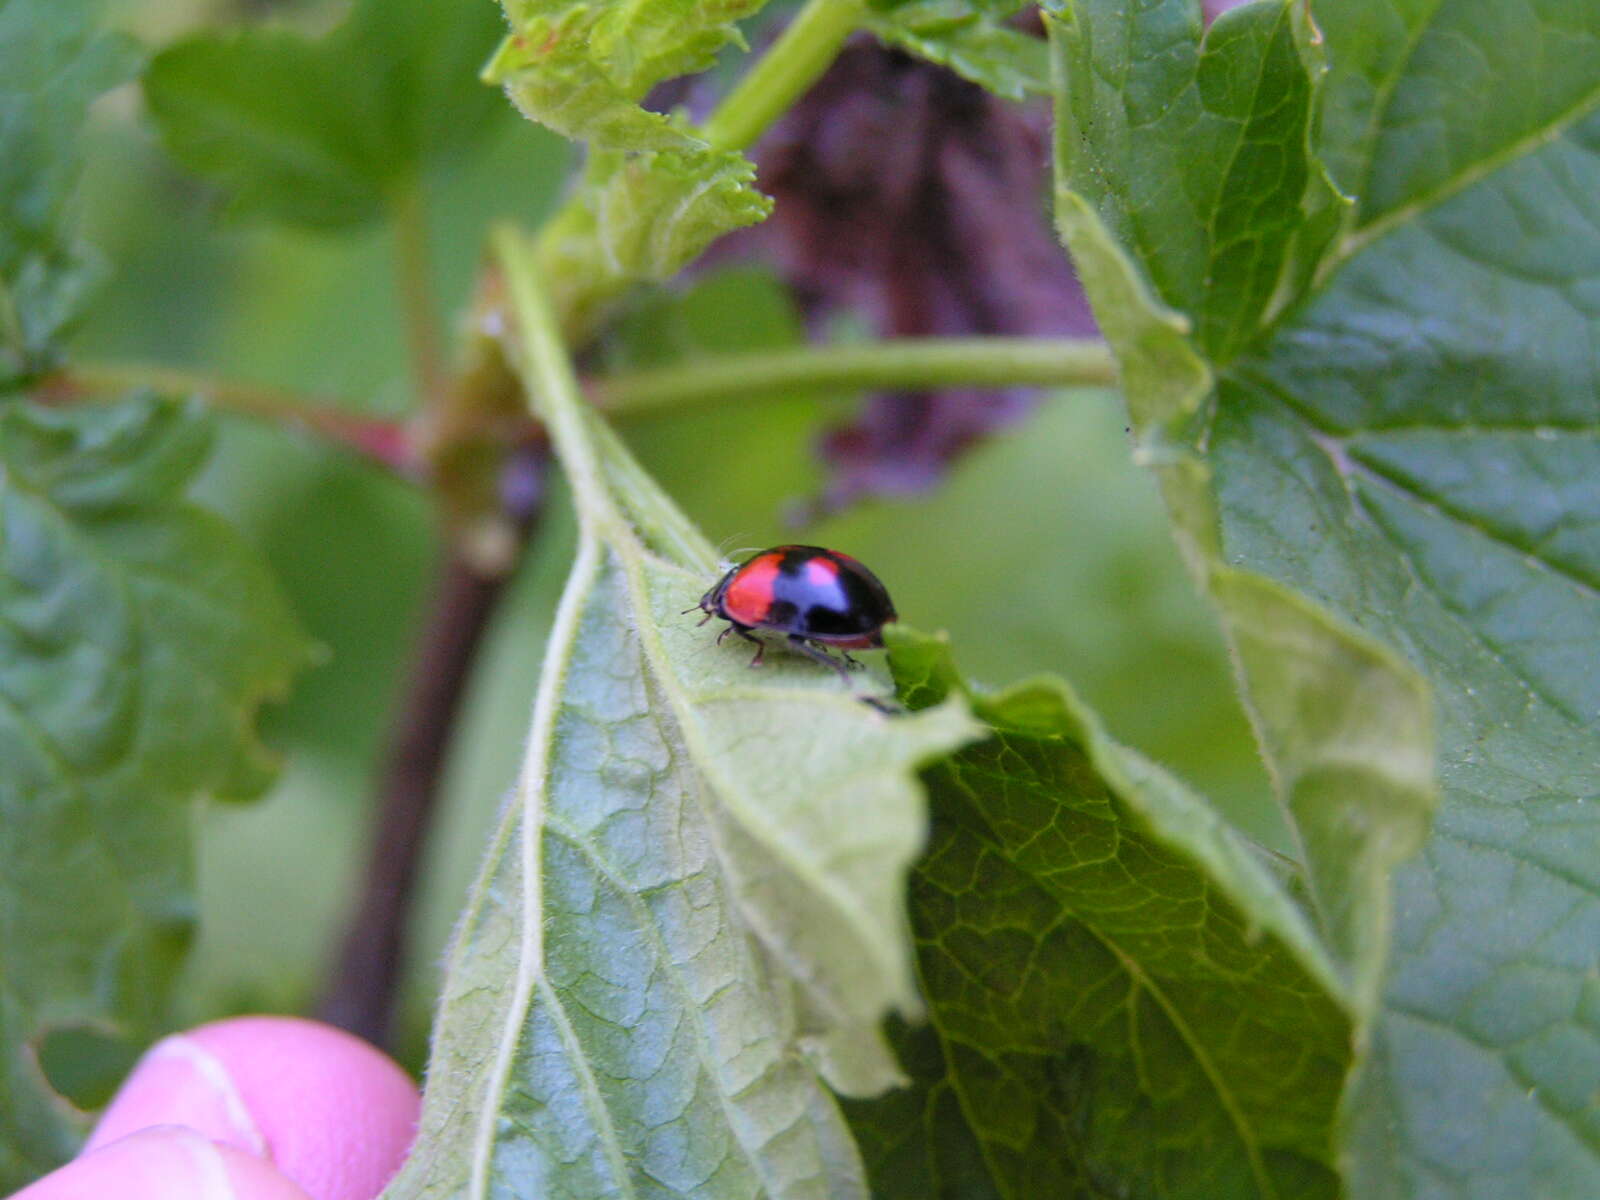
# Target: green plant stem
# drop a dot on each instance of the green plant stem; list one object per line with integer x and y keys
{"x": 539, "y": 356}
{"x": 793, "y": 63}
{"x": 416, "y": 293}
{"x": 906, "y": 364}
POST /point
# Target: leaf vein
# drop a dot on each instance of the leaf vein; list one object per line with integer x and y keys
{"x": 1530, "y": 1086}
{"x": 1435, "y": 504}
{"x": 1360, "y": 238}
{"x": 693, "y": 1007}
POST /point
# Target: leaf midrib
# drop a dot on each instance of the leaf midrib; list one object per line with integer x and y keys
{"x": 1320, "y": 430}
{"x": 692, "y": 1006}
{"x": 530, "y": 806}
{"x": 630, "y": 558}
{"x": 1467, "y": 520}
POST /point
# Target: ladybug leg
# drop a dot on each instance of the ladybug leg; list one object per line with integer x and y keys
{"x": 822, "y": 656}
{"x": 761, "y": 647}
{"x": 855, "y": 665}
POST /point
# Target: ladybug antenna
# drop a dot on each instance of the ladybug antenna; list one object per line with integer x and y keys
{"x": 726, "y": 550}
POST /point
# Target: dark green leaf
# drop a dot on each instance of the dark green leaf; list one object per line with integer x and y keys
{"x": 1413, "y": 439}
{"x": 1126, "y": 999}
{"x": 1424, "y": 100}
{"x": 53, "y": 62}
{"x": 138, "y": 636}
{"x": 1195, "y": 161}
{"x": 324, "y": 132}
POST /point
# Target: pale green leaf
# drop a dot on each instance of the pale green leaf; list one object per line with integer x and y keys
{"x": 692, "y": 912}
{"x": 1125, "y": 997}
{"x": 53, "y": 62}
{"x": 551, "y": 78}
{"x": 583, "y": 68}
{"x": 654, "y": 192}
{"x": 138, "y": 636}
{"x": 1413, "y": 442}
{"x": 643, "y": 217}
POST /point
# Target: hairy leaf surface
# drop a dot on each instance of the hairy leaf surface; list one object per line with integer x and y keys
{"x": 53, "y": 62}
{"x": 322, "y": 132}
{"x": 1126, "y": 1000}
{"x": 692, "y": 912}
{"x": 1411, "y": 437}
{"x": 138, "y": 636}
{"x": 655, "y": 193}
{"x": 643, "y": 217}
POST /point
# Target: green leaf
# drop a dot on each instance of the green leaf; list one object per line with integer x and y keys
{"x": 1346, "y": 728}
{"x": 1424, "y": 100}
{"x": 1344, "y": 724}
{"x": 643, "y": 217}
{"x": 138, "y": 636}
{"x": 1412, "y": 439}
{"x": 693, "y": 908}
{"x": 1127, "y": 1000}
{"x": 1195, "y": 161}
{"x": 972, "y": 40}
{"x": 53, "y": 62}
{"x": 323, "y": 132}
{"x": 655, "y": 192}
{"x": 583, "y": 68}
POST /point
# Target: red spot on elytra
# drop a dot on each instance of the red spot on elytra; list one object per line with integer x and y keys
{"x": 749, "y": 593}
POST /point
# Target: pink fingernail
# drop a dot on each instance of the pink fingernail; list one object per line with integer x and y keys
{"x": 180, "y": 1082}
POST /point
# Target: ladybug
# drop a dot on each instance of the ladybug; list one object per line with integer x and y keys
{"x": 815, "y": 597}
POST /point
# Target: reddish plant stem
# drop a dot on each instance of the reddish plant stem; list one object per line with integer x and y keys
{"x": 384, "y": 442}
{"x": 368, "y": 967}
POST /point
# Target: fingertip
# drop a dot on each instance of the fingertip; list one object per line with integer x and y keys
{"x": 327, "y": 1109}
{"x": 160, "y": 1163}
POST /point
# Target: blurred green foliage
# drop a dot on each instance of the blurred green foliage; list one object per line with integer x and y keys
{"x": 1029, "y": 566}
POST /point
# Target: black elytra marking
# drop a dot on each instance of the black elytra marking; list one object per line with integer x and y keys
{"x": 849, "y": 604}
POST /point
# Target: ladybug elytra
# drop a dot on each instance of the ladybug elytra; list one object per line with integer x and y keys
{"x": 816, "y": 598}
